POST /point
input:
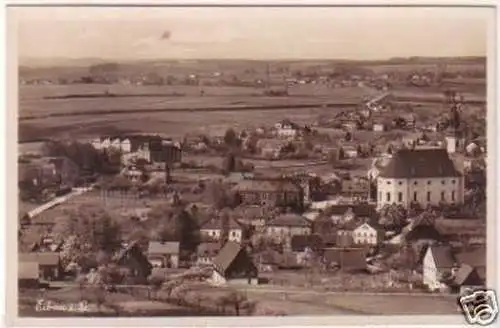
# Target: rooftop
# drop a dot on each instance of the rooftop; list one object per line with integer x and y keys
{"x": 267, "y": 185}
{"x": 420, "y": 163}
{"x": 42, "y": 258}
{"x": 289, "y": 220}
{"x": 168, "y": 247}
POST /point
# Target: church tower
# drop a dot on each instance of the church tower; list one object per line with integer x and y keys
{"x": 455, "y": 140}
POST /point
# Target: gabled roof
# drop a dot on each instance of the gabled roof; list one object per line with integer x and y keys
{"x": 216, "y": 224}
{"x": 119, "y": 256}
{"x": 267, "y": 185}
{"x": 301, "y": 242}
{"x": 27, "y": 270}
{"x": 158, "y": 247}
{"x": 462, "y": 274}
{"x": 348, "y": 258}
{"x": 420, "y": 163}
{"x": 42, "y": 258}
{"x": 361, "y": 210}
{"x": 475, "y": 258}
{"x": 226, "y": 256}
{"x": 289, "y": 220}
{"x": 443, "y": 256}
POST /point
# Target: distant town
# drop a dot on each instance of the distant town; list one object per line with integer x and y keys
{"x": 377, "y": 190}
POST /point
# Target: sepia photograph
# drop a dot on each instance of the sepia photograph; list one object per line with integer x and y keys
{"x": 218, "y": 161}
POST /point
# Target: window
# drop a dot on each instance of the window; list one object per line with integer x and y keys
{"x": 388, "y": 182}
{"x": 453, "y": 181}
{"x": 453, "y": 196}
{"x": 388, "y": 196}
{"x": 415, "y": 196}
{"x": 429, "y": 182}
{"x": 400, "y": 196}
{"x": 400, "y": 183}
{"x": 442, "y": 195}
{"x": 428, "y": 196}
{"x": 233, "y": 233}
{"x": 415, "y": 183}
{"x": 380, "y": 195}
{"x": 443, "y": 182}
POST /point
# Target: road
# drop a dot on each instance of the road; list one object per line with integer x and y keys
{"x": 302, "y": 291}
{"x": 58, "y": 200}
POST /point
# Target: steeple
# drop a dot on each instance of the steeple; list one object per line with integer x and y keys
{"x": 454, "y": 134}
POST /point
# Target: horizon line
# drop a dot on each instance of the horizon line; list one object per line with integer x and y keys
{"x": 118, "y": 60}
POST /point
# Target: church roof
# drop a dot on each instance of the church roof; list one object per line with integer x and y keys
{"x": 420, "y": 163}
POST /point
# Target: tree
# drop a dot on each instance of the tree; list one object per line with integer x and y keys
{"x": 220, "y": 197}
{"x": 81, "y": 280}
{"x": 235, "y": 299}
{"x": 230, "y": 138}
{"x": 102, "y": 258}
{"x": 156, "y": 281}
{"x": 229, "y": 163}
{"x": 87, "y": 230}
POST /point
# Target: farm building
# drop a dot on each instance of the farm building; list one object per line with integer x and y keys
{"x": 234, "y": 265}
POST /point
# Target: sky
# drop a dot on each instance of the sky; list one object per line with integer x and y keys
{"x": 249, "y": 33}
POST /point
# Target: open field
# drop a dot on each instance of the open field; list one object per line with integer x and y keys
{"x": 32, "y": 101}
{"x": 175, "y": 124}
{"x": 301, "y": 301}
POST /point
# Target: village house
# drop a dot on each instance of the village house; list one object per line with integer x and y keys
{"x": 299, "y": 243}
{"x": 350, "y": 151}
{"x": 461, "y": 229}
{"x": 28, "y": 274}
{"x": 438, "y": 263}
{"x": 287, "y": 129}
{"x": 49, "y": 264}
{"x": 288, "y": 225}
{"x": 379, "y": 127}
{"x": 206, "y": 252}
{"x": 423, "y": 176}
{"x": 472, "y": 271}
{"x": 347, "y": 259}
{"x": 465, "y": 277}
{"x": 121, "y": 144}
{"x": 133, "y": 259}
{"x": 270, "y": 192}
{"x": 342, "y": 213}
{"x": 132, "y": 173}
{"x": 56, "y": 172}
{"x": 366, "y": 235}
{"x": 213, "y": 229}
{"x": 356, "y": 188}
{"x": 271, "y": 148}
{"x": 233, "y": 264}
{"x": 163, "y": 254}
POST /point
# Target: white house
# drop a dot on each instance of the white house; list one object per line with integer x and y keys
{"x": 424, "y": 176}
{"x": 350, "y": 151}
{"x": 116, "y": 144}
{"x": 287, "y": 129}
{"x": 378, "y": 127}
{"x": 365, "y": 234}
{"x": 126, "y": 146}
{"x": 287, "y": 226}
{"x": 213, "y": 229}
{"x": 438, "y": 261}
